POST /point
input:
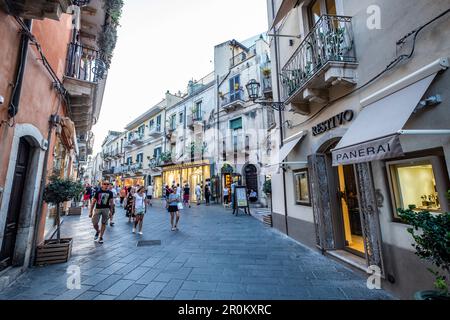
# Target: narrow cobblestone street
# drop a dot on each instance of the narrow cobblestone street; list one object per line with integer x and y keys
{"x": 215, "y": 255}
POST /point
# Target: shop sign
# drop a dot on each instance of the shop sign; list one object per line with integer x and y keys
{"x": 385, "y": 148}
{"x": 186, "y": 165}
{"x": 334, "y": 122}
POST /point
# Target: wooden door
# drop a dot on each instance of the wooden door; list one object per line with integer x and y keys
{"x": 369, "y": 216}
{"x": 15, "y": 205}
{"x": 321, "y": 201}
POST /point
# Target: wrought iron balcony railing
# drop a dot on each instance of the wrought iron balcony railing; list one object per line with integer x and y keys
{"x": 232, "y": 97}
{"x": 84, "y": 63}
{"x": 81, "y": 3}
{"x": 331, "y": 40}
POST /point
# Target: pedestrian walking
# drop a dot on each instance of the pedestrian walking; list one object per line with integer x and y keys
{"x": 130, "y": 206}
{"x": 166, "y": 193}
{"x": 123, "y": 195}
{"x": 102, "y": 204}
{"x": 226, "y": 195}
{"x": 207, "y": 194}
{"x": 186, "y": 195}
{"x": 172, "y": 207}
{"x": 113, "y": 210}
{"x": 139, "y": 209}
{"x": 198, "y": 193}
{"x": 149, "y": 195}
{"x": 87, "y": 196}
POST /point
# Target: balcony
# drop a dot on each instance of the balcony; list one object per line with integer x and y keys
{"x": 108, "y": 172}
{"x": 155, "y": 163}
{"x": 127, "y": 145}
{"x": 84, "y": 70}
{"x": 155, "y": 132}
{"x": 325, "y": 58}
{"x": 196, "y": 120}
{"x": 136, "y": 168}
{"x": 37, "y": 9}
{"x": 233, "y": 100}
{"x": 239, "y": 58}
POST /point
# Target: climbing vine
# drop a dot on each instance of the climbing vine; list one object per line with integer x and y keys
{"x": 108, "y": 39}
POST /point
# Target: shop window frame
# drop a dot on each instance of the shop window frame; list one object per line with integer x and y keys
{"x": 297, "y": 202}
{"x": 440, "y": 175}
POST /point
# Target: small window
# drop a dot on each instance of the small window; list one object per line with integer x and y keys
{"x": 417, "y": 184}
{"x": 301, "y": 182}
{"x": 236, "y": 124}
{"x": 181, "y": 115}
{"x": 151, "y": 124}
{"x": 140, "y": 158}
{"x": 129, "y": 160}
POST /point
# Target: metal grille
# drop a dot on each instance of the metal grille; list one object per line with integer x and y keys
{"x": 148, "y": 243}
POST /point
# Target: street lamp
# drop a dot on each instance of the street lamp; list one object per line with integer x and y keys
{"x": 253, "y": 89}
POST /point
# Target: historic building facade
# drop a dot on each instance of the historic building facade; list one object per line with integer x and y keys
{"x": 242, "y": 124}
{"x": 361, "y": 140}
{"x": 53, "y": 71}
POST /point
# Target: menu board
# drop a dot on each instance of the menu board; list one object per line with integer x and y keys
{"x": 241, "y": 197}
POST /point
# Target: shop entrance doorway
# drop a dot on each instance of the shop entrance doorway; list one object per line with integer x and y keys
{"x": 350, "y": 210}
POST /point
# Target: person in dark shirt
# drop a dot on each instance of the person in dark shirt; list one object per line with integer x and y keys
{"x": 187, "y": 195}
{"x": 102, "y": 204}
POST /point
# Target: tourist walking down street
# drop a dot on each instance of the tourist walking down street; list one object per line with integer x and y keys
{"x": 130, "y": 205}
{"x": 102, "y": 203}
{"x": 87, "y": 196}
{"x": 113, "y": 209}
{"x": 226, "y": 194}
{"x": 186, "y": 195}
{"x": 139, "y": 209}
{"x": 172, "y": 207}
{"x": 207, "y": 194}
{"x": 150, "y": 195}
{"x": 123, "y": 195}
{"x": 198, "y": 193}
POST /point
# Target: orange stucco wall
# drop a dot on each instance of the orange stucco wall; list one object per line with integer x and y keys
{"x": 38, "y": 99}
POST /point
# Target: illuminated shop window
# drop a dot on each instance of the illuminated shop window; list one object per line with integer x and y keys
{"x": 414, "y": 185}
{"x": 302, "y": 187}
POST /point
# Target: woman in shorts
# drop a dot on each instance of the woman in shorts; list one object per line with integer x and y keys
{"x": 172, "y": 207}
{"x": 139, "y": 209}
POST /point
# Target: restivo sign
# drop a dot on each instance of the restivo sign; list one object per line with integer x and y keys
{"x": 334, "y": 122}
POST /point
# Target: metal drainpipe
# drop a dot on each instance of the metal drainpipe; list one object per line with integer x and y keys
{"x": 15, "y": 100}
{"x": 277, "y": 68}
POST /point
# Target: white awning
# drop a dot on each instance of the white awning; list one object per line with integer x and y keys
{"x": 289, "y": 145}
{"x": 372, "y": 135}
{"x": 277, "y": 159}
{"x": 285, "y": 7}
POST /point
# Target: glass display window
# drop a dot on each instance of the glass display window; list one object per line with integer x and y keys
{"x": 418, "y": 184}
{"x": 301, "y": 183}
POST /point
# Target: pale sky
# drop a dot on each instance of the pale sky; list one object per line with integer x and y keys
{"x": 165, "y": 43}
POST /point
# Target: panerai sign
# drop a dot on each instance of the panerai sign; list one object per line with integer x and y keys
{"x": 380, "y": 149}
{"x": 332, "y": 123}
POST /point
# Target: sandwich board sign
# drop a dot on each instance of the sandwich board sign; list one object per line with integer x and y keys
{"x": 240, "y": 200}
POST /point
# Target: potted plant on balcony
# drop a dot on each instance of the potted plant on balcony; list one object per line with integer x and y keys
{"x": 56, "y": 193}
{"x": 431, "y": 234}
{"x": 267, "y": 72}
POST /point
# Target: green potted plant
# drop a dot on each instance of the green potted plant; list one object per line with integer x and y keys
{"x": 56, "y": 193}
{"x": 431, "y": 234}
{"x": 266, "y": 72}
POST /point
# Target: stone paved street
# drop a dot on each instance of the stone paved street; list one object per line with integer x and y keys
{"x": 215, "y": 255}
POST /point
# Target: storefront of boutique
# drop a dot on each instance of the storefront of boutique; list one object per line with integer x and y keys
{"x": 193, "y": 173}
{"x": 349, "y": 171}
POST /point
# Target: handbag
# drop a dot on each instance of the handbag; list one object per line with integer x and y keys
{"x": 180, "y": 206}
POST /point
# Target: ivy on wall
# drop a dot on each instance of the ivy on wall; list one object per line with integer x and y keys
{"x": 108, "y": 39}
